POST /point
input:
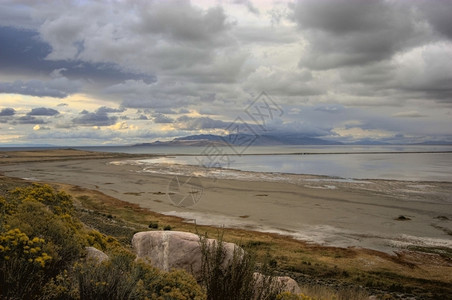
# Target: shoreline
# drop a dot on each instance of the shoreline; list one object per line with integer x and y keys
{"x": 318, "y": 209}
{"x": 129, "y": 202}
{"x": 311, "y": 176}
{"x": 319, "y": 153}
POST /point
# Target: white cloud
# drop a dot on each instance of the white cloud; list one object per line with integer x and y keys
{"x": 40, "y": 127}
{"x": 409, "y": 114}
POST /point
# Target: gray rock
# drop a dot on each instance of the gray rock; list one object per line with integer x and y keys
{"x": 288, "y": 284}
{"x": 168, "y": 250}
{"x": 95, "y": 255}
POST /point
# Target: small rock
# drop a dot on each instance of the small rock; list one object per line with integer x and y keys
{"x": 402, "y": 218}
{"x": 288, "y": 284}
{"x": 95, "y": 255}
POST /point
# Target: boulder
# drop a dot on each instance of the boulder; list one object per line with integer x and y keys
{"x": 287, "y": 283}
{"x": 95, "y": 255}
{"x": 169, "y": 250}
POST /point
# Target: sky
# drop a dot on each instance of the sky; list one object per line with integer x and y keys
{"x": 77, "y": 73}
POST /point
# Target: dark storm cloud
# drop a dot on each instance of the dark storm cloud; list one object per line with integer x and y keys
{"x": 16, "y": 13}
{"x": 438, "y": 14}
{"x": 7, "y": 112}
{"x": 170, "y": 111}
{"x": 192, "y": 123}
{"x": 341, "y": 16}
{"x": 98, "y": 118}
{"x": 161, "y": 118}
{"x": 43, "y": 111}
{"x": 392, "y": 57}
{"x": 352, "y": 32}
{"x": 29, "y": 120}
{"x": 161, "y": 105}
{"x": 58, "y": 87}
{"x": 424, "y": 73}
{"x": 182, "y": 22}
{"x": 24, "y": 52}
{"x": 106, "y": 110}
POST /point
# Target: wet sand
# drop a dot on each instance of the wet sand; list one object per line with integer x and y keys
{"x": 327, "y": 211}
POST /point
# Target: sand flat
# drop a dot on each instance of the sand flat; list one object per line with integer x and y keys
{"x": 352, "y": 214}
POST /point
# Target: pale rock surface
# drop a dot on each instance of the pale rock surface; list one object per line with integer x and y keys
{"x": 168, "y": 250}
{"x": 289, "y": 285}
{"x": 95, "y": 255}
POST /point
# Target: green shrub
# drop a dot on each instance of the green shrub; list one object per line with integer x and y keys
{"x": 154, "y": 225}
{"x": 60, "y": 202}
{"x": 234, "y": 280}
{"x": 121, "y": 277}
{"x": 41, "y": 250}
{"x": 23, "y": 263}
{"x": 63, "y": 241}
{"x": 39, "y": 238}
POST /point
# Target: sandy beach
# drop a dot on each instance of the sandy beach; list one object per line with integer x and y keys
{"x": 322, "y": 210}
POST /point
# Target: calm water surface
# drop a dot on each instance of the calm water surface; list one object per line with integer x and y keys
{"x": 413, "y": 162}
{"x": 430, "y": 163}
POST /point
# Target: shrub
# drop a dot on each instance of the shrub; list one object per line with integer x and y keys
{"x": 59, "y": 202}
{"x": 63, "y": 242}
{"x": 22, "y": 264}
{"x": 121, "y": 277}
{"x": 236, "y": 279}
{"x": 44, "y": 239}
{"x": 154, "y": 225}
{"x": 177, "y": 285}
{"x": 40, "y": 257}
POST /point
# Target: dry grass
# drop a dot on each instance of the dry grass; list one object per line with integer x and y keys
{"x": 409, "y": 272}
{"x": 322, "y": 292}
{"x": 13, "y": 157}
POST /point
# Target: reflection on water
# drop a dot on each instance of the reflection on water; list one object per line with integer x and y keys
{"x": 284, "y": 149}
{"x": 407, "y": 166}
{"x": 404, "y": 162}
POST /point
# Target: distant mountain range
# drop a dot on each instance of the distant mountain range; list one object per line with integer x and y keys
{"x": 201, "y": 140}
{"x": 242, "y": 140}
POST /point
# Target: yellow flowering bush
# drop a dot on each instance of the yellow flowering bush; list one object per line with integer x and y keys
{"x": 14, "y": 244}
{"x": 177, "y": 285}
{"x": 42, "y": 257}
{"x": 121, "y": 277}
{"x": 60, "y": 202}
{"x": 6, "y": 207}
{"x": 23, "y": 262}
{"x": 38, "y": 238}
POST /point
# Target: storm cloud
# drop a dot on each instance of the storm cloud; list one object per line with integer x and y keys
{"x": 353, "y": 32}
{"x": 43, "y": 111}
{"x": 343, "y": 70}
{"x": 7, "y": 112}
{"x": 57, "y": 88}
{"x": 98, "y": 118}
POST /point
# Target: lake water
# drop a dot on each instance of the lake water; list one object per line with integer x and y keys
{"x": 417, "y": 163}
